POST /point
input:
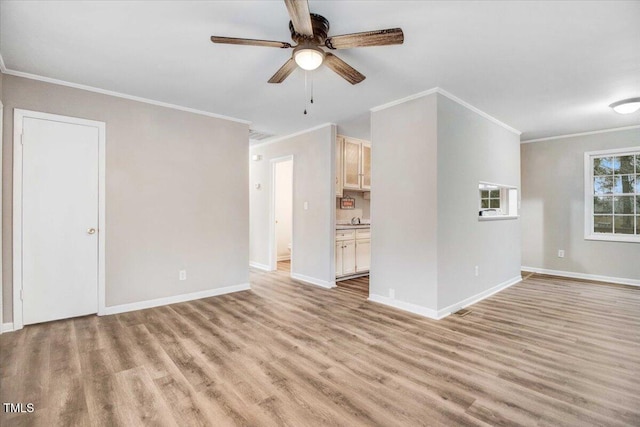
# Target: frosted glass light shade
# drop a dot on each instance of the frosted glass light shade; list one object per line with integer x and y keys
{"x": 308, "y": 58}
{"x": 626, "y": 106}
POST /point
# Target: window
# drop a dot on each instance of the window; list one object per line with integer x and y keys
{"x": 612, "y": 195}
{"x": 497, "y": 201}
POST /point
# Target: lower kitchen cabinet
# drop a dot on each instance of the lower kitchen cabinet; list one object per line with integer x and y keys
{"x": 363, "y": 255}
{"x": 353, "y": 252}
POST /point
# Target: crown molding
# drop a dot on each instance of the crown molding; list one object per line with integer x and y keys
{"x": 451, "y": 97}
{"x": 118, "y": 94}
{"x": 2, "y": 66}
{"x": 291, "y": 135}
{"x": 572, "y": 135}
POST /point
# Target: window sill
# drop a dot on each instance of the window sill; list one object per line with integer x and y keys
{"x": 497, "y": 217}
{"x": 630, "y": 238}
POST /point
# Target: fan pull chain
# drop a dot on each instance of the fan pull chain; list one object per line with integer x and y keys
{"x": 312, "y": 88}
{"x": 305, "y": 92}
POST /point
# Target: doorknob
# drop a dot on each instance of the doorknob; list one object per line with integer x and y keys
{"x": 91, "y": 231}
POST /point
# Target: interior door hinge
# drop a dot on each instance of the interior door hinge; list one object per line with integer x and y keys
{"x": 21, "y": 294}
{"x": 22, "y": 138}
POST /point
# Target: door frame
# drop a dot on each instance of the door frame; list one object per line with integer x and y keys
{"x": 273, "y": 242}
{"x": 18, "y": 116}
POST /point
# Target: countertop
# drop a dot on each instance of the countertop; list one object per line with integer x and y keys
{"x": 351, "y": 227}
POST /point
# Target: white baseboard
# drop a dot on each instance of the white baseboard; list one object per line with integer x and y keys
{"x": 284, "y": 258}
{"x": 260, "y": 266}
{"x": 7, "y": 327}
{"x": 573, "y": 275}
{"x": 313, "y": 281}
{"x": 405, "y": 306}
{"x": 123, "y": 308}
{"x": 444, "y": 312}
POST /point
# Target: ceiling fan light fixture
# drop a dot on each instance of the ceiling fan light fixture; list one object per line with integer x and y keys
{"x": 626, "y": 106}
{"x": 308, "y": 57}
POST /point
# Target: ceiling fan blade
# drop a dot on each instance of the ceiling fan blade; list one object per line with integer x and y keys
{"x": 249, "y": 42}
{"x": 367, "y": 38}
{"x": 345, "y": 70}
{"x": 284, "y": 71}
{"x": 300, "y": 16}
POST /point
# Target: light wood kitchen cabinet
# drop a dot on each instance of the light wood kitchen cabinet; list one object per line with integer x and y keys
{"x": 351, "y": 160}
{"x": 365, "y": 167}
{"x": 353, "y": 252}
{"x": 356, "y": 164}
{"x": 348, "y": 257}
{"x": 363, "y": 255}
{"x": 339, "y": 145}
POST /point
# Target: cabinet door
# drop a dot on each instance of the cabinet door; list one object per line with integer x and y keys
{"x": 339, "y": 246}
{"x": 363, "y": 255}
{"x": 366, "y": 166}
{"x": 349, "y": 257}
{"x": 351, "y": 164}
{"x": 339, "y": 144}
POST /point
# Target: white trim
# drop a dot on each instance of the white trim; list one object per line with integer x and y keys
{"x": 572, "y": 135}
{"x": 589, "y": 234}
{"x": 497, "y": 217}
{"x": 3, "y": 68}
{"x": 122, "y": 95}
{"x": 405, "y": 306}
{"x": 7, "y": 327}
{"x": 123, "y": 308}
{"x": 442, "y": 313}
{"x": 18, "y": 116}
{"x": 574, "y": 275}
{"x": 275, "y": 139}
{"x": 313, "y": 281}
{"x": 451, "y": 97}
{"x": 259, "y": 266}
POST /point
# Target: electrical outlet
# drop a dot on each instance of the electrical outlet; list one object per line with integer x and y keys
{"x": 392, "y": 293}
{"x": 477, "y": 271}
{"x": 182, "y": 274}
{"x": 561, "y": 253}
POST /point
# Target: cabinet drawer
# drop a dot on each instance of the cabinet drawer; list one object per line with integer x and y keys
{"x": 363, "y": 234}
{"x": 345, "y": 235}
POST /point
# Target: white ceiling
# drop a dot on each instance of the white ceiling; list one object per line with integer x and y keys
{"x": 545, "y": 68}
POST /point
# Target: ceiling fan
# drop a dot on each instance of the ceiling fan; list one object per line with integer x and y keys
{"x": 309, "y": 31}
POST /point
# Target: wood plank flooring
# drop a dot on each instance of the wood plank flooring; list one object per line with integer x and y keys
{"x": 545, "y": 352}
{"x": 358, "y": 286}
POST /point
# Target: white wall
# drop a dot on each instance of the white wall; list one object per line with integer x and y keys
{"x": 472, "y": 149}
{"x": 362, "y": 209}
{"x": 176, "y": 192}
{"x": 284, "y": 200}
{"x": 404, "y": 202}
{"x": 553, "y": 209}
{"x": 313, "y": 182}
{"x": 430, "y": 154}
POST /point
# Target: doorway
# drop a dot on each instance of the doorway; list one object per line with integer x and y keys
{"x": 282, "y": 214}
{"x": 58, "y": 217}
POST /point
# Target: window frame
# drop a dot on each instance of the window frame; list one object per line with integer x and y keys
{"x": 509, "y": 201}
{"x": 589, "y": 194}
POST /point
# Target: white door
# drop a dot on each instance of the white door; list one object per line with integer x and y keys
{"x": 351, "y": 165}
{"x": 339, "y": 259}
{"x": 60, "y": 166}
{"x": 366, "y": 166}
{"x": 363, "y": 255}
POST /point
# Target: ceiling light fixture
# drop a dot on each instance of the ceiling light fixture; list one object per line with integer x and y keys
{"x": 308, "y": 57}
{"x": 626, "y": 106}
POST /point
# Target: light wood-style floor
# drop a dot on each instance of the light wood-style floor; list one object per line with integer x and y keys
{"x": 545, "y": 352}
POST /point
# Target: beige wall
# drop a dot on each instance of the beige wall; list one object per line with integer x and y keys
{"x": 313, "y": 182}
{"x": 404, "y": 195}
{"x": 176, "y": 192}
{"x": 553, "y": 208}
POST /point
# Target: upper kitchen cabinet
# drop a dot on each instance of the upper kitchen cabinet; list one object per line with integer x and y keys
{"x": 356, "y": 164}
{"x": 339, "y": 148}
